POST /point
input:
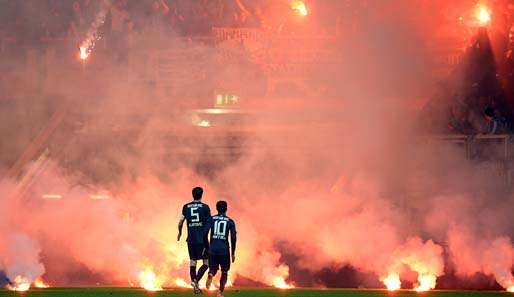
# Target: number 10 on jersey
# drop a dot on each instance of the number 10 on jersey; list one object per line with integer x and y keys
{"x": 220, "y": 228}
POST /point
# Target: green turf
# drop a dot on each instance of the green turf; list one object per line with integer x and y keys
{"x": 122, "y": 292}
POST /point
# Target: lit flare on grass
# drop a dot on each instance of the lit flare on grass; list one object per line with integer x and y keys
{"x": 280, "y": 283}
{"x": 149, "y": 280}
{"x": 510, "y": 289}
{"x": 299, "y": 7}
{"x": 181, "y": 283}
{"x": 392, "y": 282}
{"x": 20, "y": 284}
{"x": 40, "y": 283}
{"x": 426, "y": 282}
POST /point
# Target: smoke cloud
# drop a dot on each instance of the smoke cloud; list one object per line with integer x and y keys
{"x": 334, "y": 176}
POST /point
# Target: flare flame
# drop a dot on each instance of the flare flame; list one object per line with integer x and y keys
{"x": 280, "y": 283}
{"x": 483, "y": 15}
{"x": 426, "y": 282}
{"x": 179, "y": 282}
{"x": 21, "y": 284}
{"x": 299, "y": 7}
{"x": 84, "y": 53}
{"x": 40, "y": 283}
{"x": 392, "y": 282}
{"x": 149, "y": 280}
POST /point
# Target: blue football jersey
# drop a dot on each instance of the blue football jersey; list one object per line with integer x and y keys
{"x": 197, "y": 215}
{"x": 221, "y": 227}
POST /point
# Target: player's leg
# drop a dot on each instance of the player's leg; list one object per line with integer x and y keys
{"x": 195, "y": 253}
{"x": 202, "y": 270}
{"x": 192, "y": 271}
{"x": 213, "y": 269}
{"x": 225, "y": 267}
{"x": 192, "y": 261}
{"x": 205, "y": 265}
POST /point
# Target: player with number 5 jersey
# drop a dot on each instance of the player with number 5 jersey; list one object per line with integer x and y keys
{"x": 197, "y": 215}
{"x": 221, "y": 228}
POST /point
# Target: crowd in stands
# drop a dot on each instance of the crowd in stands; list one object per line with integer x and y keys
{"x": 31, "y": 22}
{"x": 478, "y": 97}
{"x": 481, "y": 103}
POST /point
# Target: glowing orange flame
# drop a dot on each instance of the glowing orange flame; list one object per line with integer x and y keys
{"x": 229, "y": 283}
{"x": 40, "y": 283}
{"x": 179, "y": 282}
{"x": 392, "y": 282}
{"x": 149, "y": 280}
{"x": 84, "y": 53}
{"x": 21, "y": 284}
{"x": 204, "y": 123}
{"x": 483, "y": 15}
{"x": 426, "y": 282}
{"x": 299, "y": 7}
{"x": 510, "y": 289}
{"x": 280, "y": 283}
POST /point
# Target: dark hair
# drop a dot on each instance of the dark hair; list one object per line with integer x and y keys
{"x": 221, "y": 206}
{"x": 489, "y": 111}
{"x": 197, "y": 193}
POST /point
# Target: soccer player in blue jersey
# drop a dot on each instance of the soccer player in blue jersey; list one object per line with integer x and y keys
{"x": 197, "y": 215}
{"x": 221, "y": 227}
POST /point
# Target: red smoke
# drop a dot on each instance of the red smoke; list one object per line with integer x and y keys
{"x": 346, "y": 184}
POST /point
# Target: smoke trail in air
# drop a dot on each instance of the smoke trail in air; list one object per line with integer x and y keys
{"x": 92, "y": 34}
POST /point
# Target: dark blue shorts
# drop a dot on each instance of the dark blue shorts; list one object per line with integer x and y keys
{"x": 197, "y": 251}
{"x": 219, "y": 261}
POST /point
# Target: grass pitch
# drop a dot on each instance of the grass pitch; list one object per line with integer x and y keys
{"x": 126, "y": 292}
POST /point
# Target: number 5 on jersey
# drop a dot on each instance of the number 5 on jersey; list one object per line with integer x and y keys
{"x": 195, "y": 216}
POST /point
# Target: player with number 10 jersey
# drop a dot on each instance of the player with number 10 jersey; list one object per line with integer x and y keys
{"x": 221, "y": 228}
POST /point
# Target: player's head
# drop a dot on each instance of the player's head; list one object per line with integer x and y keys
{"x": 221, "y": 206}
{"x": 489, "y": 112}
{"x": 197, "y": 193}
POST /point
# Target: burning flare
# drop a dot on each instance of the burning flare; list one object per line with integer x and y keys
{"x": 40, "y": 283}
{"x": 149, "y": 280}
{"x": 483, "y": 15}
{"x": 510, "y": 289}
{"x": 280, "y": 283}
{"x": 84, "y": 53}
{"x": 299, "y": 7}
{"x": 181, "y": 283}
{"x": 392, "y": 282}
{"x": 88, "y": 44}
{"x": 20, "y": 284}
{"x": 426, "y": 282}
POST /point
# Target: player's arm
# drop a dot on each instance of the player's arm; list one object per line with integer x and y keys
{"x": 181, "y": 223}
{"x": 233, "y": 240}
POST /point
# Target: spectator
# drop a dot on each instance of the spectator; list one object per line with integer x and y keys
{"x": 496, "y": 123}
{"x": 119, "y": 17}
{"x": 459, "y": 120}
{"x": 158, "y": 12}
{"x": 78, "y": 24}
{"x": 120, "y": 23}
